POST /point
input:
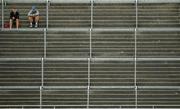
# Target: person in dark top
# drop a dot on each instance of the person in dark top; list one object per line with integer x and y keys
{"x": 14, "y": 18}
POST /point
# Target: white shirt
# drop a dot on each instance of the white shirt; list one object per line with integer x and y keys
{"x": 33, "y": 12}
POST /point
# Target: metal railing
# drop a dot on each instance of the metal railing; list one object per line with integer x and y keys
{"x": 97, "y": 106}
{"x": 135, "y": 56}
{"x": 90, "y": 58}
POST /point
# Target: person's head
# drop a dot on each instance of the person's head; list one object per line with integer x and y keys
{"x": 33, "y": 7}
{"x": 14, "y": 9}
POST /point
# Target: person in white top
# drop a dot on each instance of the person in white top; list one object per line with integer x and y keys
{"x": 33, "y": 17}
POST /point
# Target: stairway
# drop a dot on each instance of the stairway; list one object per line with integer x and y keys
{"x": 113, "y": 97}
{"x": 69, "y": 65}
{"x": 18, "y": 44}
{"x": 20, "y": 73}
{"x": 67, "y": 44}
{"x": 112, "y": 73}
{"x": 69, "y": 15}
{"x": 114, "y": 15}
{"x": 19, "y": 97}
{"x": 65, "y": 97}
{"x": 160, "y": 96}
{"x": 158, "y": 73}
{"x": 65, "y": 73}
{"x": 112, "y": 44}
{"x": 158, "y": 44}
{"x": 159, "y": 15}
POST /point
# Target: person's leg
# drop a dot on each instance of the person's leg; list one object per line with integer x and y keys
{"x": 30, "y": 21}
{"x": 10, "y": 23}
{"x": 17, "y": 23}
{"x": 36, "y": 20}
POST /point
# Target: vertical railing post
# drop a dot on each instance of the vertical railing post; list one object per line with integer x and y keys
{"x": 42, "y": 72}
{"x": 136, "y": 13}
{"x": 2, "y": 13}
{"x": 153, "y": 107}
{"x": 90, "y": 43}
{"x": 136, "y": 97}
{"x": 135, "y": 57}
{"x": 135, "y": 46}
{"x": 40, "y": 97}
{"x": 92, "y": 9}
{"x": 47, "y": 13}
{"x": 89, "y": 83}
{"x": 42, "y": 81}
{"x": 90, "y": 56}
{"x": 91, "y": 28}
{"x": 45, "y": 42}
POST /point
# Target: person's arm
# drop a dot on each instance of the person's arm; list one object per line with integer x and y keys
{"x": 37, "y": 13}
{"x": 29, "y": 14}
{"x": 10, "y": 21}
{"x": 11, "y": 15}
{"x": 17, "y": 15}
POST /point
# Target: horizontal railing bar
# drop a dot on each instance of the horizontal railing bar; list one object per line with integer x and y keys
{"x": 158, "y": 59}
{"x": 94, "y": 29}
{"x": 158, "y": 1}
{"x": 112, "y": 87}
{"x": 68, "y": 29}
{"x": 93, "y": 59}
{"x": 20, "y": 59}
{"x": 18, "y": 87}
{"x": 66, "y": 59}
{"x": 82, "y": 105}
{"x": 92, "y": 87}
{"x": 112, "y": 59}
{"x": 25, "y": 1}
{"x": 158, "y": 29}
{"x": 95, "y": 1}
{"x": 158, "y": 87}
{"x": 70, "y": 1}
{"x": 114, "y": 1}
{"x": 64, "y": 87}
{"x": 23, "y": 29}
{"x": 113, "y": 29}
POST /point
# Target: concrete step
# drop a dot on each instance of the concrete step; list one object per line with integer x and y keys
{"x": 20, "y": 73}
{"x": 68, "y": 44}
{"x": 161, "y": 97}
{"x": 69, "y": 15}
{"x": 112, "y": 97}
{"x": 112, "y": 44}
{"x": 121, "y": 15}
{"x": 158, "y": 73}
{"x": 112, "y": 73}
{"x": 156, "y": 15}
{"x": 19, "y": 97}
{"x": 16, "y": 44}
{"x": 65, "y": 97}
{"x": 158, "y": 44}
{"x": 65, "y": 73}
